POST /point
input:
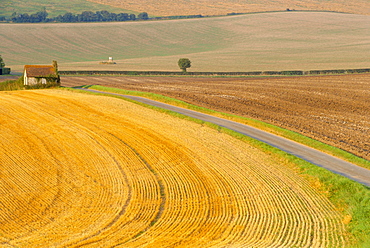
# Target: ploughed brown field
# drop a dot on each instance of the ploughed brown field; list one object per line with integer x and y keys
{"x": 331, "y": 109}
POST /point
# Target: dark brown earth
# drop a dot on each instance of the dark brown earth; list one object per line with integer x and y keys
{"x": 332, "y": 109}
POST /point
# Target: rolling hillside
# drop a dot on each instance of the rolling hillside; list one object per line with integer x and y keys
{"x": 182, "y": 7}
{"x": 222, "y": 7}
{"x": 268, "y": 41}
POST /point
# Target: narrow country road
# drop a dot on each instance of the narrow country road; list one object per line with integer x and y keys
{"x": 313, "y": 156}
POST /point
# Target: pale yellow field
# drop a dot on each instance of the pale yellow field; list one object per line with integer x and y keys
{"x": 223, "y": 7}
{"x": 81, "y": 170}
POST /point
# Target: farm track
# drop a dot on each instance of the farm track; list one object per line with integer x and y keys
{"x": 80, "y": 170}
{"x": 332, "y": 109}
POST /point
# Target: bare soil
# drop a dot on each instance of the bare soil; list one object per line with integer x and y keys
{"x": 331, "y": 109}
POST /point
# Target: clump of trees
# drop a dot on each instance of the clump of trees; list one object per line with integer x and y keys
{"x": 99, "y": 16}
{"x": 40, "y": 16}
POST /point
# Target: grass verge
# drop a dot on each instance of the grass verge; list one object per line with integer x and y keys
{"x": 352, "y": 199}
{"x": 10, "y": 85}
{"x": 18, "y": 84}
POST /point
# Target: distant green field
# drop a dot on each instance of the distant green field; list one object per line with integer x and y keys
{"x": 268, "y": 41}
{"x": 54, "y": 7}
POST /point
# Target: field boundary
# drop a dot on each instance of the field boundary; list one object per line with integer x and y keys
{"x": 7, "y": 19}
{"x": 251, "y": 73}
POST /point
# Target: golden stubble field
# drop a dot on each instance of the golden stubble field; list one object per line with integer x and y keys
{"x": 218, "y": 7}
{"x": 82, "y": 170}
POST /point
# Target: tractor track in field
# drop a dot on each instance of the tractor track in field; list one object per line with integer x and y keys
{"x": 313, "y": 156}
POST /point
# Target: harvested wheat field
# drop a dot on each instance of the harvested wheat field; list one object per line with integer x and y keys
{"x": 218, "y": 7}
{"x": 331, "y": 109}
{"x": 82, "y": 170}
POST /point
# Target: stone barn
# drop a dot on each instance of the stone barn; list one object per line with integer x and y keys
{"x": 40, "y": 74}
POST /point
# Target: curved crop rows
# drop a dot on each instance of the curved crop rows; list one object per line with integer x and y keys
{"x": 89, "y": 171}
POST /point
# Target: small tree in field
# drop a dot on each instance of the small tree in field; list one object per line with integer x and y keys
{"x": 55, "y": 65}
{"x": 2, "y": 64}
{"x": 184, "y": 63}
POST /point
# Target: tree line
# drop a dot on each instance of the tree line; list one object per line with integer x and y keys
{"x": 85, "y": 16}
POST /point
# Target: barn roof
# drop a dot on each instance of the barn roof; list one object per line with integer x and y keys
{"x": 39, "y": 70}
